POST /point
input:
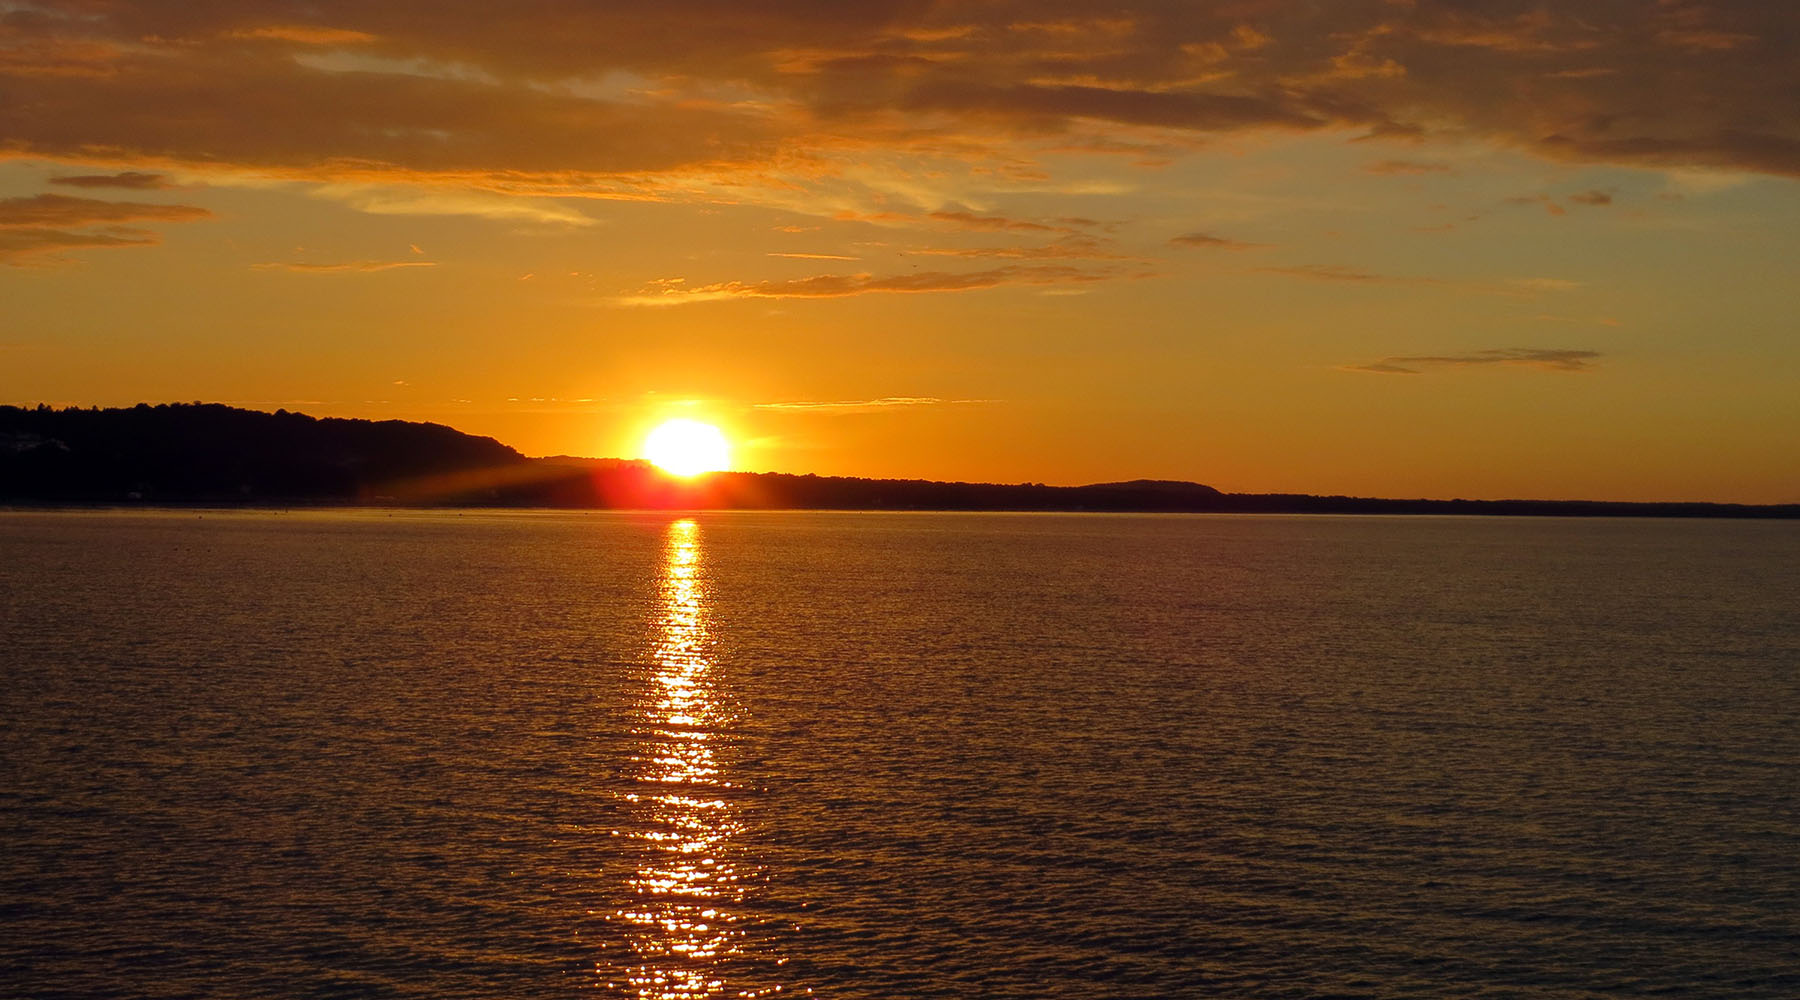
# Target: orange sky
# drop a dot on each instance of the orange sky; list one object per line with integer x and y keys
{"x": 1379, "y": 247}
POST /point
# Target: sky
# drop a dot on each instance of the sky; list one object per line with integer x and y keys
{"x": 1406, "y": 248}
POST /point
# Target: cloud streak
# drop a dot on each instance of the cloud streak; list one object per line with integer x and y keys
{"x": 1209, "y": 242}
{"x": 343, "y": 267}
{"x": 63, "y": 210}
{"x": 41, "y": 227}
{"x": 1067, "y": 248}
{"x": 1346, "y": 275}
{"x": 830, "y": 286}
{"x": 131, "y": 180}
{"x": 1543, "y": 359}
{"x": 862, "y": 405}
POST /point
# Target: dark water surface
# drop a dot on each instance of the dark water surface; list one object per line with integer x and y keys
{"x": 892, "y": 756}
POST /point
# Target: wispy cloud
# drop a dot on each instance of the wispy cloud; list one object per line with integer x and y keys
{"x": 133, "y": 180}
{"x": 1338, "y": 274}
{"x": 343, "y": 267}
{"x": 813, "y": 256}
{"x": 862, "y": 405}
{"x": 1068, "y": 248}
{"x": 63, "y": 210}
{"x": 482, "y": 204}
{"x": 1544, "y": 359}
{"x": 21, "y": 246}
{"x": 1408, "y": 167}
{"x": 304, "y": 34}
{"x": 995, "y": 223}
{"x": 38, "y": 227}
{"x": 1211, "y": 242}
{"x": 1349, "y": 275}
{"x": 826, "y": 286}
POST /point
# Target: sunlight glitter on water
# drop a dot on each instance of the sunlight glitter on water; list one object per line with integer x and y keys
{"x": 680, "y": 927}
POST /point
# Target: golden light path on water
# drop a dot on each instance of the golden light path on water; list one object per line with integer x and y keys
{"x": 682, "y": 921}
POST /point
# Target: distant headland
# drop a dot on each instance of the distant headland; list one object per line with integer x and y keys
{"x": 212, "y": 454}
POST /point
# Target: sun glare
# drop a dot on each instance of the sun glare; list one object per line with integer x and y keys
{"x": 687, "y": 448}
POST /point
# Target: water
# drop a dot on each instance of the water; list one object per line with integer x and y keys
{"x": 890, "y": 756}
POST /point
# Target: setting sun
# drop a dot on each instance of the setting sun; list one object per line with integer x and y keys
{"x": 687, "y": 448}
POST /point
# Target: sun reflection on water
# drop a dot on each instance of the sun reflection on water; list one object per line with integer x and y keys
{"x": 682, "y": 923}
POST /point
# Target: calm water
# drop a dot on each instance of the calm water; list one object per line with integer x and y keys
{"x": 893, "y": 756}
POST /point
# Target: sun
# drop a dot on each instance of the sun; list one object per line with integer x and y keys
{"x": 687, "y": 448}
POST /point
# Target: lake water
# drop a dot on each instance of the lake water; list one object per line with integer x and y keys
{"x": 527, "y": 755}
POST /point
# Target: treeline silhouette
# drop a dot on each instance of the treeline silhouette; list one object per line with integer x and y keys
{"x": 210, "y": 454}
{"x": 214, "y": 453}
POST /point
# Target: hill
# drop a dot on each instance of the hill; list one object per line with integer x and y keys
{"x": 215, "y": 454}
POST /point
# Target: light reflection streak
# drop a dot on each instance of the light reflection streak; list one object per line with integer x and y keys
{"x": 683, "y": 919}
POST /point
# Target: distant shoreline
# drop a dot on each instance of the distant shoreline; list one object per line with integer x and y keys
{"x": 1536, "y": 511}
{"x": 211, "y": 456}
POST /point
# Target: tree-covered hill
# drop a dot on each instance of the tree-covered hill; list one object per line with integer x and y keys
{"x": 211, "y": 452}
{"x": 214, "y": 454}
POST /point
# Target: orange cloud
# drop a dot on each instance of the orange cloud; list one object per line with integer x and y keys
{"x": 1066, "y": 248}
{"x": 574, "y": 97}
{"x": 343, "y": 267}
{"x": 969, "y": 220}
{"x": 42, "y": 225}
{"x": 63, "y": 210}
{"x": 827, "y": 286}
{"x": 305, "y": 34}
{"x": 17, "y": 245}
{"x": 862, "y": 405}
{"x": 1208, "y": 241}
{"x": 1407, "y": 167}
{"x": 1350, "y": 275}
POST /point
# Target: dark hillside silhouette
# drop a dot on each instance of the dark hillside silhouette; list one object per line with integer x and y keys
{"x": 210, "y": 452}
{"x": 214, "y": 454}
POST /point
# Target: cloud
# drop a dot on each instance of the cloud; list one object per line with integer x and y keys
{"x": 994, "y": 223}
{"x": 40, "y": 227}
{"x": 862, "y": 405}
{"x": 130, "y": 179}
{"x": 827, "y": 286}
{"x": 694, "y": 98}
{"x": 1380, "y": 368}
{"x": 18, "y": 245}
{"x": 811, "y": 256}
{"x": 343, "y": 267}
{"x": 1408, "y": 167}
{"x": 304, "y": 34}
{"x": 1556, "y": 359}
{"x": 1204, "y": 112}
{"x": 1068, "y": 248}
{"x": 1594, "y": 198}
{"x": 1350, "y": 275}
{"x": 486, "y": 205}
{"x": 1208, "y": 241}
{"x": 63, "y": 210}
{"x": 1338, "y": 274}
